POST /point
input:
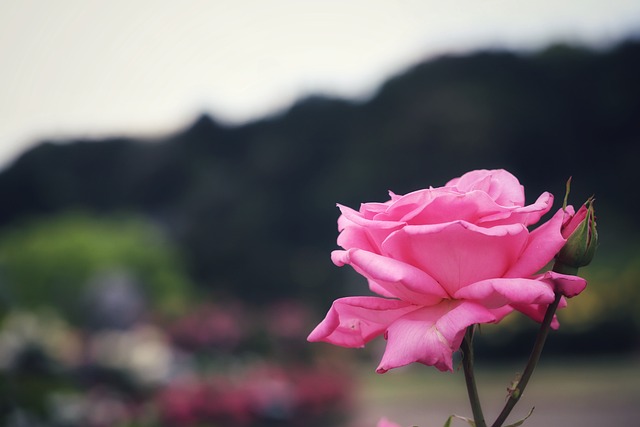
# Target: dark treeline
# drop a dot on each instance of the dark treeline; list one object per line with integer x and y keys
{"x": 253, "y": 206}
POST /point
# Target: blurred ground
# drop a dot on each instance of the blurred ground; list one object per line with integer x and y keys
{"x": 573, "y": 393}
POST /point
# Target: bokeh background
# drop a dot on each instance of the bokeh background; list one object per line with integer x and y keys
{"x": 169, "y": 178}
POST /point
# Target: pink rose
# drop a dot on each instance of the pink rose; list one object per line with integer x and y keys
{"x": 443, "y": 259}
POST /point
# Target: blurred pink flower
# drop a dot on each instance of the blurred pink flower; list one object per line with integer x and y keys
{"x": 290, "y": 396}
{"x": 288, "y": 319}
{"x": 444, "y": 259}
{"x": 386, "y": 423}
{"x": 222, "y": 327}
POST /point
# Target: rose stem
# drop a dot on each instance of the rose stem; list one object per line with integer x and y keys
{"x": 516, "y": 393}
{"x": 467, "y": 363}
{"x": 536, "y": 351}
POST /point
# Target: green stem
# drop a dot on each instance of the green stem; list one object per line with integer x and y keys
{"x": 531, "y": 364}
{"x": 467, "y": 363}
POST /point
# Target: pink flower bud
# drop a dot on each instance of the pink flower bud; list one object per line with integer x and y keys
{"x": 574, "y": 221}
{"x": 582, "y": 237}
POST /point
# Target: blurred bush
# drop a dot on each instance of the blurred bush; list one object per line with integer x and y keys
{"x": 222, "y": 364}
{"x": 86, "y": 266}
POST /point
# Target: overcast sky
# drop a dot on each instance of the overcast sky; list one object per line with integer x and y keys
{"x": 76, "y": 68}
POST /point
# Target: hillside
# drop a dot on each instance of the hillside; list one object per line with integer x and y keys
{"x": 253, "y": 206}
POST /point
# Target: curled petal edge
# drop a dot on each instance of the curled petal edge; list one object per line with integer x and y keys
{"x": 565, "y": 284}
{"x": 431, "y": 335}
{"x": 395, "y": 278}
{"x": 495, "y": 293}
{"x": 354, "y": 321}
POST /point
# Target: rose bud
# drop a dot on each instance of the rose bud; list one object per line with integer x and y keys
{"x": 582, "y": 237}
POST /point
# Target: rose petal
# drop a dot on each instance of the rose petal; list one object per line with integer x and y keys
{"x": 567, "y": 285}
{"x": 407, "y": 206}
{"x": 371, "y": 209}
{"x": 354, "y": 321}
{"x": 358, "y": 219}
{"x": 531, "y": 214}
{"x": 543, "y": 245}
{"x": 526, "y": 215}
{"x": 372, "y": 231}
{"x": 397, "y": 278}
{"x": 357, "y": 237}
{"x": 501, "y": 185}
{"x": 573, "y": 220}
{"x": 494, "y": 293}
{"x": 449, "y": 206}
{"x": 501, "y": 312}
{"x": 430, "y": 335}
{"x": 458, "y": 253}
{"x": 438, "y": 205}
{"x": 537, "y": 311}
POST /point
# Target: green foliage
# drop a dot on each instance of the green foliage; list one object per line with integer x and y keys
{"x": 465, "y": 419}
{"x": 473, "y": 424}
{"x": 520, "y": 422}
{"x": 49, "y": 261}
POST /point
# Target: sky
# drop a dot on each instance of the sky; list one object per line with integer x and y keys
{"x": 144, "y": 68}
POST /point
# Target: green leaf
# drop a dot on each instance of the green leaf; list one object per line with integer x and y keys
{"x": 468, "y": 420}
{"x": 519, "y": 423}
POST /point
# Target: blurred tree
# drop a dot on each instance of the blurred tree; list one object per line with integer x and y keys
{"x": 82, "y": 264}
{"x": 252, "y": 207}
